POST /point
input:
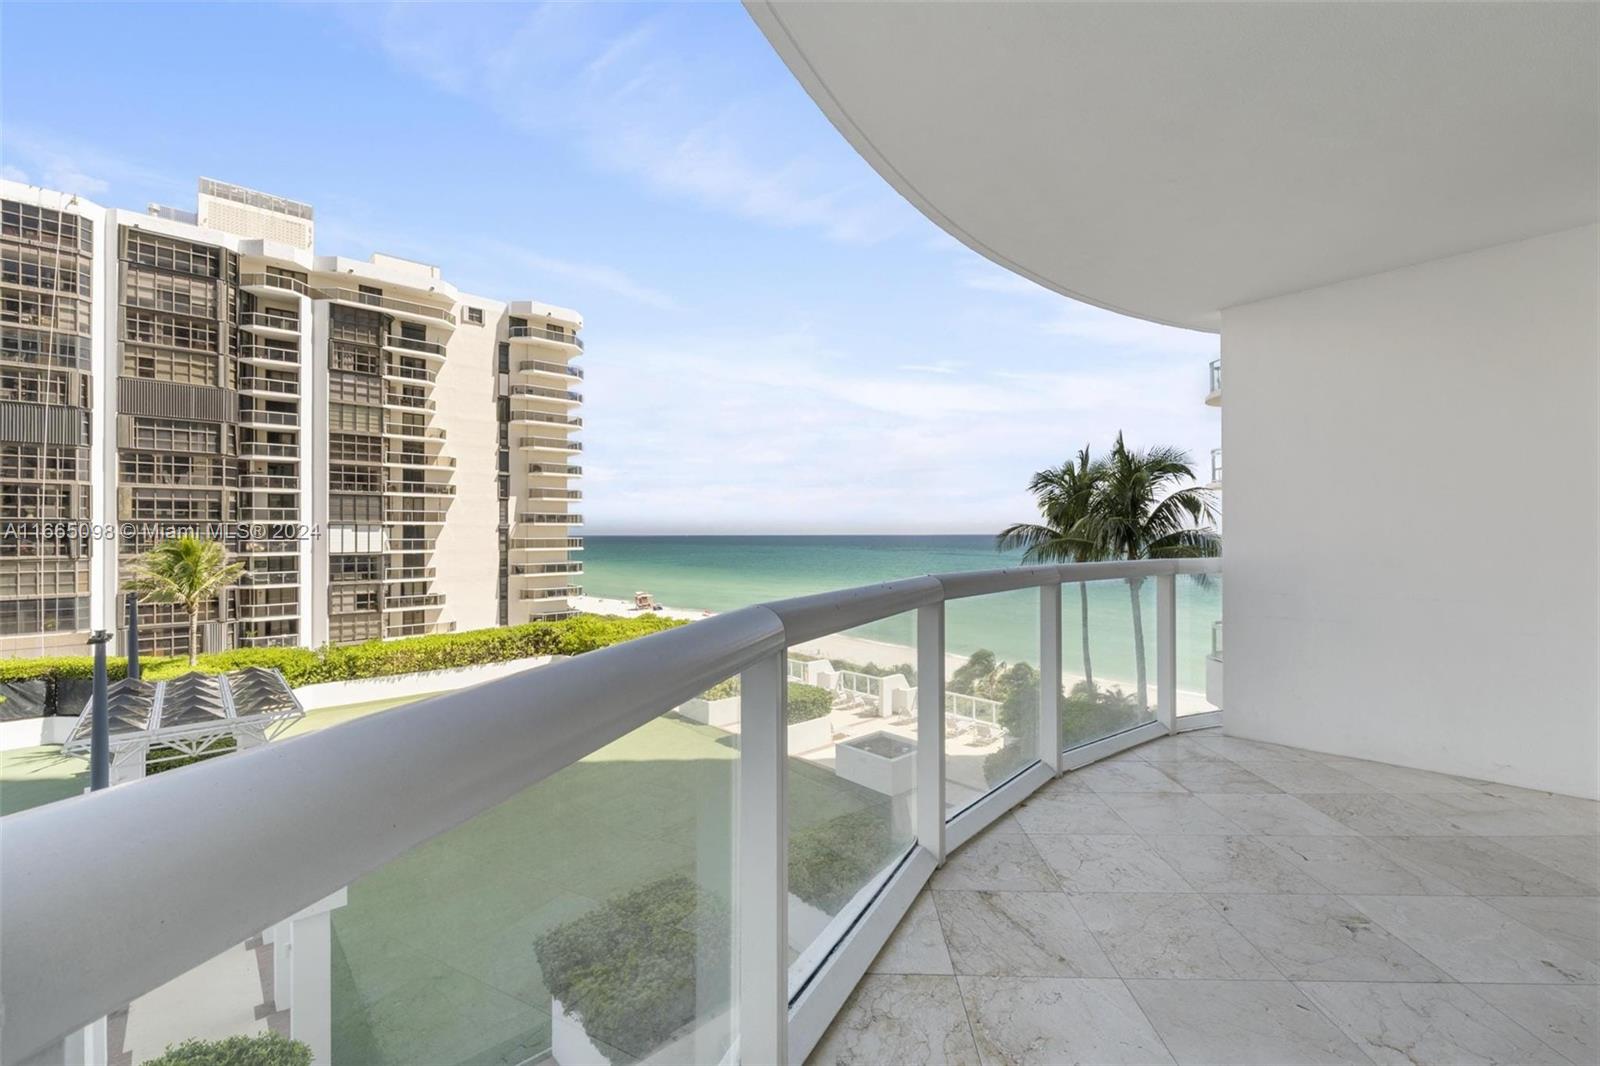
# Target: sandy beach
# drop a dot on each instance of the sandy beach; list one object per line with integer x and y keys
{"x": 884, "y": 653}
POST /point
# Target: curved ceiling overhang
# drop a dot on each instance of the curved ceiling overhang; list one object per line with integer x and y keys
{"x": 1171, "y": 160}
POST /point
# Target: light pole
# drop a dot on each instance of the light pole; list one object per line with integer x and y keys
{"x": 133, "y": 635}
{"x": 100, "y": 718}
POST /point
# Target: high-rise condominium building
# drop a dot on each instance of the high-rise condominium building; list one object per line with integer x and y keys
{"x": 388, "y": 456}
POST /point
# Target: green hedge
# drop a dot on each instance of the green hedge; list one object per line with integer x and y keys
{"x": 830, "y": 861}
{"x": 628, "y": 967}
{"x": 268, "y": 1049}
{"x": 906, "y": 670}
{"x": 805, "y": 701}
{"x": 378, "y": 658}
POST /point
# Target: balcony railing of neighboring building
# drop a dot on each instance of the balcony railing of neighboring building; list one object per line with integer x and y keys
{"x": 565, "y": 592}
{"x": 1216, "y": 466}
{"x": 544, "y": 544}
{"x": 274, "y": 281}
{"x": 255, "y": 449}
{"x": 555, "y": 470}
{"x": 539, "y": 366}
{"x": 547, "y": 418}
{"x": 408, "y": 373}
{"x": 546, "y": 568}
{"x": 412, "y": 601}
{"x": 270, "y": 320}
{"x": 414, "y": 344}
{"x": 391, "y": 303}
{"x": 544, "y": 334}
{"x": 539, "y": 391}
{"x": 543, "y": 518}
{"x": 1216, "y": 378}
{"x": 280, "y": 826}
{"x": 550, "y": 444}
{"x": 418, "y": 629}
{"x": 435, "y": 488}
{"x": 268, "y": 353}
{"x": 555, "y": 494}
{"x": 410, "y": 573}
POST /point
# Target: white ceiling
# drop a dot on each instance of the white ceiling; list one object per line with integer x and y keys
{"x": 1171, "y": 160}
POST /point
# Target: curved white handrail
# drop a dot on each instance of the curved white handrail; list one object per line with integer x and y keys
{"x": 112, "y": 894}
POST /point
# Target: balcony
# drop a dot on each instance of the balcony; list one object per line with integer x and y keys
{"x": 254, "y": 416}
{"x": 418, "y": 459}
{"x": 416, "y": 629}
{"x": 257, "y": 385}
{"x": 270, "y": 323}
{"x": 560, "y": 370}
{"x": 399, "y": 372}
{"x": 414, "y": 346}
{"x": 253, "y": 449}
{"x": 263, "y": 353}
{"x": 554, "y": 470}
{"x": 412, "y": 430}
{"x": 269, "y": 640}
{"x": 1214, "y": 394}
{"x": 565, "y": 396}
{"x": 404, "y": 308}
{"x": 554, "y": 494}
{"x": 410, "y": 573}
{"x": 401, "y": 515}
{"x": 250, "y": 611}
{"x": 546, "y": 418}
{"x": 248, "y": 513}
{"x": 268, "y": 578}
{"x": 549, "y": 519}
{"x": 545, "y": 544}
{"x": 435, "y": 488}
{"x": 547, "y": 568}
{"x": 412, "y": 601}
{"x": 1216, "y": 468}
{"x": 545, "y": 335}
{"x": 408, "y": 401}
{"x": 273, "y": 285}
{"x": 549, "y": 444}
{"x": 407, "y": 545}
{"x": 564, "y": 592}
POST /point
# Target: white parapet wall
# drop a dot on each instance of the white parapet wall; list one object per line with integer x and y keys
{"x": 372, "y": 689}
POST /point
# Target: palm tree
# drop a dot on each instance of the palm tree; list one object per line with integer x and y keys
{"x": 186, "y": 571}
{"x": 1064, "y": 495}
{"x": 1146, "y": 505}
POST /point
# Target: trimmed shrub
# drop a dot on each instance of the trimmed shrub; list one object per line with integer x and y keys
{"x": 830, "y": 861}
{"x": 807, "y": 702}
{"x": 162, "y": 757}
{"x": 627, "y": 969}
{"x": 268, "y": 1049}
{"x": 378, "y": 658}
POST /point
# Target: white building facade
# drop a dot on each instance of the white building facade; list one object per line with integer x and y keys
{"x": 376, "y": 446}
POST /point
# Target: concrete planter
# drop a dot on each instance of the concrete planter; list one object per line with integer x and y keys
{"x": 880, "y": 761}
{"x": 720, "y": 713}
{"x": 571, "y": 1045}
{"x": 809, "y": 736}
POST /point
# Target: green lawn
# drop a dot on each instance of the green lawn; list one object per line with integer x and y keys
{"x": 433, "y": 955}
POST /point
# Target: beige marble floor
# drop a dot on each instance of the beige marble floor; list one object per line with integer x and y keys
{"x": 1204, "y": 899}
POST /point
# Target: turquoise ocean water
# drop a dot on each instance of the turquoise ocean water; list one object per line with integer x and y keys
{"x": 724, "y": 573}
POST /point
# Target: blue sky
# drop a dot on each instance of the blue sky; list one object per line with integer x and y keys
{"x": 776, "y": 341}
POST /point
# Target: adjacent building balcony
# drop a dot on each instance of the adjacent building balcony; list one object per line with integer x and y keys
{"x": 254, "y": 449}
{"x": 270, "y": 354}
{"x": 549, "y": 444}
{"x": 544, "y": 518}
{"x": 262, "y": 284}
{"x": 1214, "y": 395}
{"x": 407, "y": 309}
{"x": 400, "y": 372}
{"x": 412, "y": 430}
{"x": 256, "y": 384}
{"x": 417, "y": 459}
{"x": 546, "y": 418}
{"x": 412, "y": 601}
{"x": 557, "y": 370}
{"x": 547, "y": 568}
{"x": 560, "y": 593}
{"x": 545, "y": 544}
{"x": 414, "y": 346}
{"x": 545, "y": 335}
{"x": 536, "y": 493}
{"x": 432, "y": 488}
{"x": 417, "y": 629}
{"x": 410, "y": 573}
{"x": 271, "y": 323}
{"x": 561, "y": 396}
{"x": 1216, "y": 468}
{"x": 554, "y": 470}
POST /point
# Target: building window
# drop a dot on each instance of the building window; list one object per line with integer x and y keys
{"x": 474, "y": 316}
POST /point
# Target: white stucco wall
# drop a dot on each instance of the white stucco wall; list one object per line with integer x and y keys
{"x": 1411, "y": 490}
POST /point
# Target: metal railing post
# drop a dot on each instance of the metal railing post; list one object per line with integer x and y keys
{"x": 930, "y": 729}
{"x": 763, "y": 858}
{"x": 1167, "y": 651}
{"x": 1050, "y": 676}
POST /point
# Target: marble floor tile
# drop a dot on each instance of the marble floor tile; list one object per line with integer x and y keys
{"x": 1571, "y": 921}
{"x": 1220, "y": 1023}
{"x": 1127, "y": 775}
{"x": 1576, "y": 856}
{"x": 1171, "y": 814}
{"x": 1400, "y": 779}
{"x": 1408, "y": 1024}
{"x": 1567, "y": 1017}
{"x": 1280, "y": 815}
{"x": 1069, "y": 812}
{"x": 1051, "y": 1020}
{"x": 1217, "y": 777}
{"x": 1378, "y": 814}
{"x": 1298, "y": 777}
{"x": 1108, "y": 864}
{"x": 1018, "y": 934}
{"x": 1159, "y": 936}
{"x": 1323, "y": 938}
{"x": 1166, "y": 751}
{"x": 1480, "y": 867}
{"x": 899, "y": 1018}
{"x": 917, "y": 945}
{"x": 1471, "y": 941}
{"x": 1247, "y": 751}
{"x": 1067, "y": 782}
{"x": 1005, "y": 862}
{"x": 1550, "y": 801}
{"x": 1356, "y": 864}
{"x": 1230, "y": 864}
{"x": 1489, "y": 815}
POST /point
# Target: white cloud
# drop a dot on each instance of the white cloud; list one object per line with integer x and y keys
{"x": 1061, "y": 316}
{"x": 602, "y": 277}
{"x": 57, "y": 163}
{"x": 679, "y": 118}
